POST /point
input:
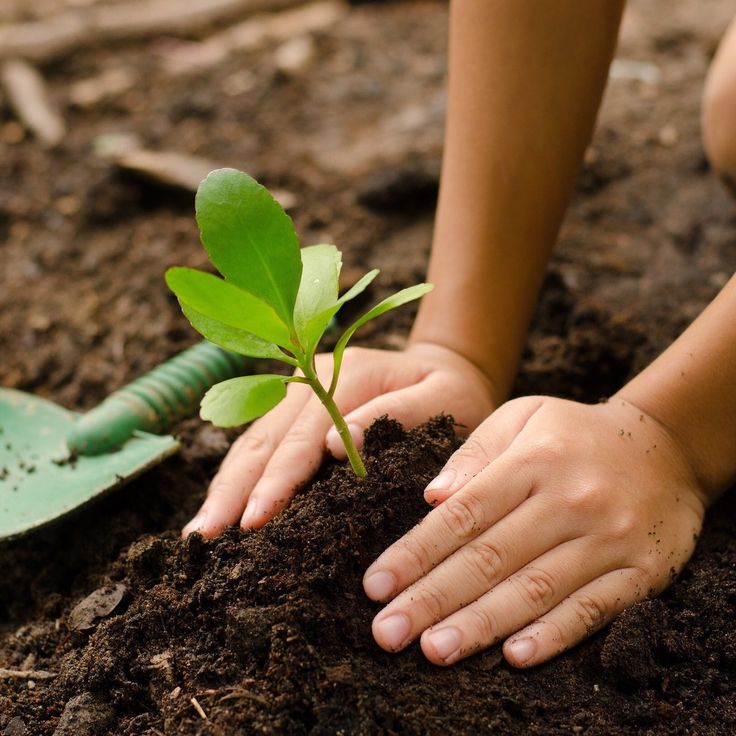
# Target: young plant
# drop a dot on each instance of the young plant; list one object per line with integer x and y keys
{"x": 275, "y": 301}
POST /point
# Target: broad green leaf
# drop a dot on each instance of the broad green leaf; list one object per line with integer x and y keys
{"x": 317, "y": 291}
{"x": 220, "y": 300}
{"x": 250, "y": 238}
{"x": 241, "y": 400}
{"x": 232, "y": 338}
{"x": 318, "y": 324}
{"x": 389, "y": 303}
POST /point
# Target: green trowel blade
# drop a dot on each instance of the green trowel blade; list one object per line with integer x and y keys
{"x": 38, "y": 480}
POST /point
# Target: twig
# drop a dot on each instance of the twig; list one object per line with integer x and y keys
{"x": 63, "y": 32}
{"x": 27, "y": 95}
{"x": 250, "y": 34}
{"x": 26, "y": 674}
{"x": 198, "y": 708}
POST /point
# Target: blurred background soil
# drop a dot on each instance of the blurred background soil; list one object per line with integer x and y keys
{"x": 338, "y": 106}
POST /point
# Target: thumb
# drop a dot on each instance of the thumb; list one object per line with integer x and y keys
{"x": 482, "y": 447}
{"x": 410, "y": 406}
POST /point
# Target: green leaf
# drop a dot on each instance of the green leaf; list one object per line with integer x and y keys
{"x": 317, "y": 292}
{"x": 219, "y": 300}
{"x": 318, "y": 324}
{"x": 232, "y": 338}
{"x": 250, "y": 238}
{"x": 241, "y": 400}
{"x": 389, "y": 303}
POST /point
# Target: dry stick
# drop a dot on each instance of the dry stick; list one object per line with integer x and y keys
{"x": 198, "y": 708}
{"x": 248, "y": 35}
{"x": 27, "y": 95}
{"x": 63, "y": 32}
{"x": 26, "y": 674}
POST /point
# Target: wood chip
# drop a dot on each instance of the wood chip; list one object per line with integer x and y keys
{"x": 63, "y": 32}
{"x": 27, "y": 95}
{"x": 250, "y": 34}
{"x": 98, "y": 604}
{"x": 93, "y": 90}
{"x": 198, "y": 708}
{"x": 6, "y": 674}
{"x": 181, "y": 170}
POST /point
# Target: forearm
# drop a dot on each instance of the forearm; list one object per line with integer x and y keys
{"x": 691, "y": 390}
{"x": 525, "y": 83}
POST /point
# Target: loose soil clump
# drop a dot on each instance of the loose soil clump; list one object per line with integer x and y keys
{"x": 269, "y": 632}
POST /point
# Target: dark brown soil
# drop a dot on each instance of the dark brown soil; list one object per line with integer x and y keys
{"x": 270, "y": 632}
{"x": 648, "y": 241}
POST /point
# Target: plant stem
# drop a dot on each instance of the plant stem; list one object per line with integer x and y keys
{"x": 356, "y": 462}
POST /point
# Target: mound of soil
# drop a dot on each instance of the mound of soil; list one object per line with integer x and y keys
{"x": 269, "y": 632}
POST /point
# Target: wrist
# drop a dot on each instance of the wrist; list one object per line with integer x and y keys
{"x": 438, "y": 351}
{"x": 654, "y": 408}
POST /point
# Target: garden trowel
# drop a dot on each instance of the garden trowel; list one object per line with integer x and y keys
{"x": 53, "y": 460}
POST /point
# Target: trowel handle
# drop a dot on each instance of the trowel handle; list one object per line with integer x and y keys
{"x": 155, "y": 401}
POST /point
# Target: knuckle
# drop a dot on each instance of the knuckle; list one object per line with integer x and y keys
{"x": 461, "y": 513}
{"x": 471, "y": 450}
{"x": 624, "y": 524}
{"x": 254, "y": 441}
{"x": 485, "y": 559}
{"x": 415, "y": 555}
{"x": 433, "y": 602}
{"x": 537, "y": 587}
{"x": 591, "y": 611}
{"x": 584, "y": 498}
{"x": 298, "y": 436}
{"x": 483, "y": 624}
{"x": 548, "y": 448}
{"x": 219, "y": 487}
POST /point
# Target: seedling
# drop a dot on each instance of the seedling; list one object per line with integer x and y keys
{"x": 275, "y": 301}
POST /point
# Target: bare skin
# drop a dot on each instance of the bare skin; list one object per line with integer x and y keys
{"x": 553, "y": 516}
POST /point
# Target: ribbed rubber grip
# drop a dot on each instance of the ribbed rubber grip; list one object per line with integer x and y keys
{"x": 155, "y": 401}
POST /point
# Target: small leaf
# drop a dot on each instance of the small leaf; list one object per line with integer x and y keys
{"x": 389, "y": 303}
{"x": 216, "y": 299}
{"x": 358, "y": 287}
{"x": 250, "y": 238}
{"x": 318, "y": 324}
{"x": 317, "y": 291}
{"x": 232, "y": 338}
{"x": 241, "y": 400}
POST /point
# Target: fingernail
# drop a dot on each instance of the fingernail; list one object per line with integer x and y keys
{"x": 443, "y": 482}
{"x": 379, "y": 585}
{"x": 249, "y": 515}
{"x": 522, "y": 650}
{"x": 393, "y": 630}
{"x": 446, "y": 642}
{"x": 195, "y": 524}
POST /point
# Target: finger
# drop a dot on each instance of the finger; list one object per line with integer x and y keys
{"x": 490, "y": 496}
{"x": 409, "y": 406}
{"x": 297, "y": 457}
{"x": 483, "y": 446}
{"x": 473, "y": 570}
{"x": 242, "y": 467}
{"x": 517, "y": 601}
{"x": 575, "y": 618}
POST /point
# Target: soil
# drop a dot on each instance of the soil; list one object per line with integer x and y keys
{"x": 270, "y": 631}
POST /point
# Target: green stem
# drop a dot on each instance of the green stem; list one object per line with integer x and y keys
{"x": 356, "y": 462}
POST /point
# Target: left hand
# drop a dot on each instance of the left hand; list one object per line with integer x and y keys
{"x": 553, "y": 517}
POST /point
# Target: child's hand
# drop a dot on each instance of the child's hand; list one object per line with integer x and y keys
{"x": 282, "y": 450}
{"x": 554, "y": 517}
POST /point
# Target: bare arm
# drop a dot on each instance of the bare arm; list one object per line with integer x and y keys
{"x": 526, "y": 79}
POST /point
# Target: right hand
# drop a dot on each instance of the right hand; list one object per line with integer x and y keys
{"x": 282, "y": 450}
